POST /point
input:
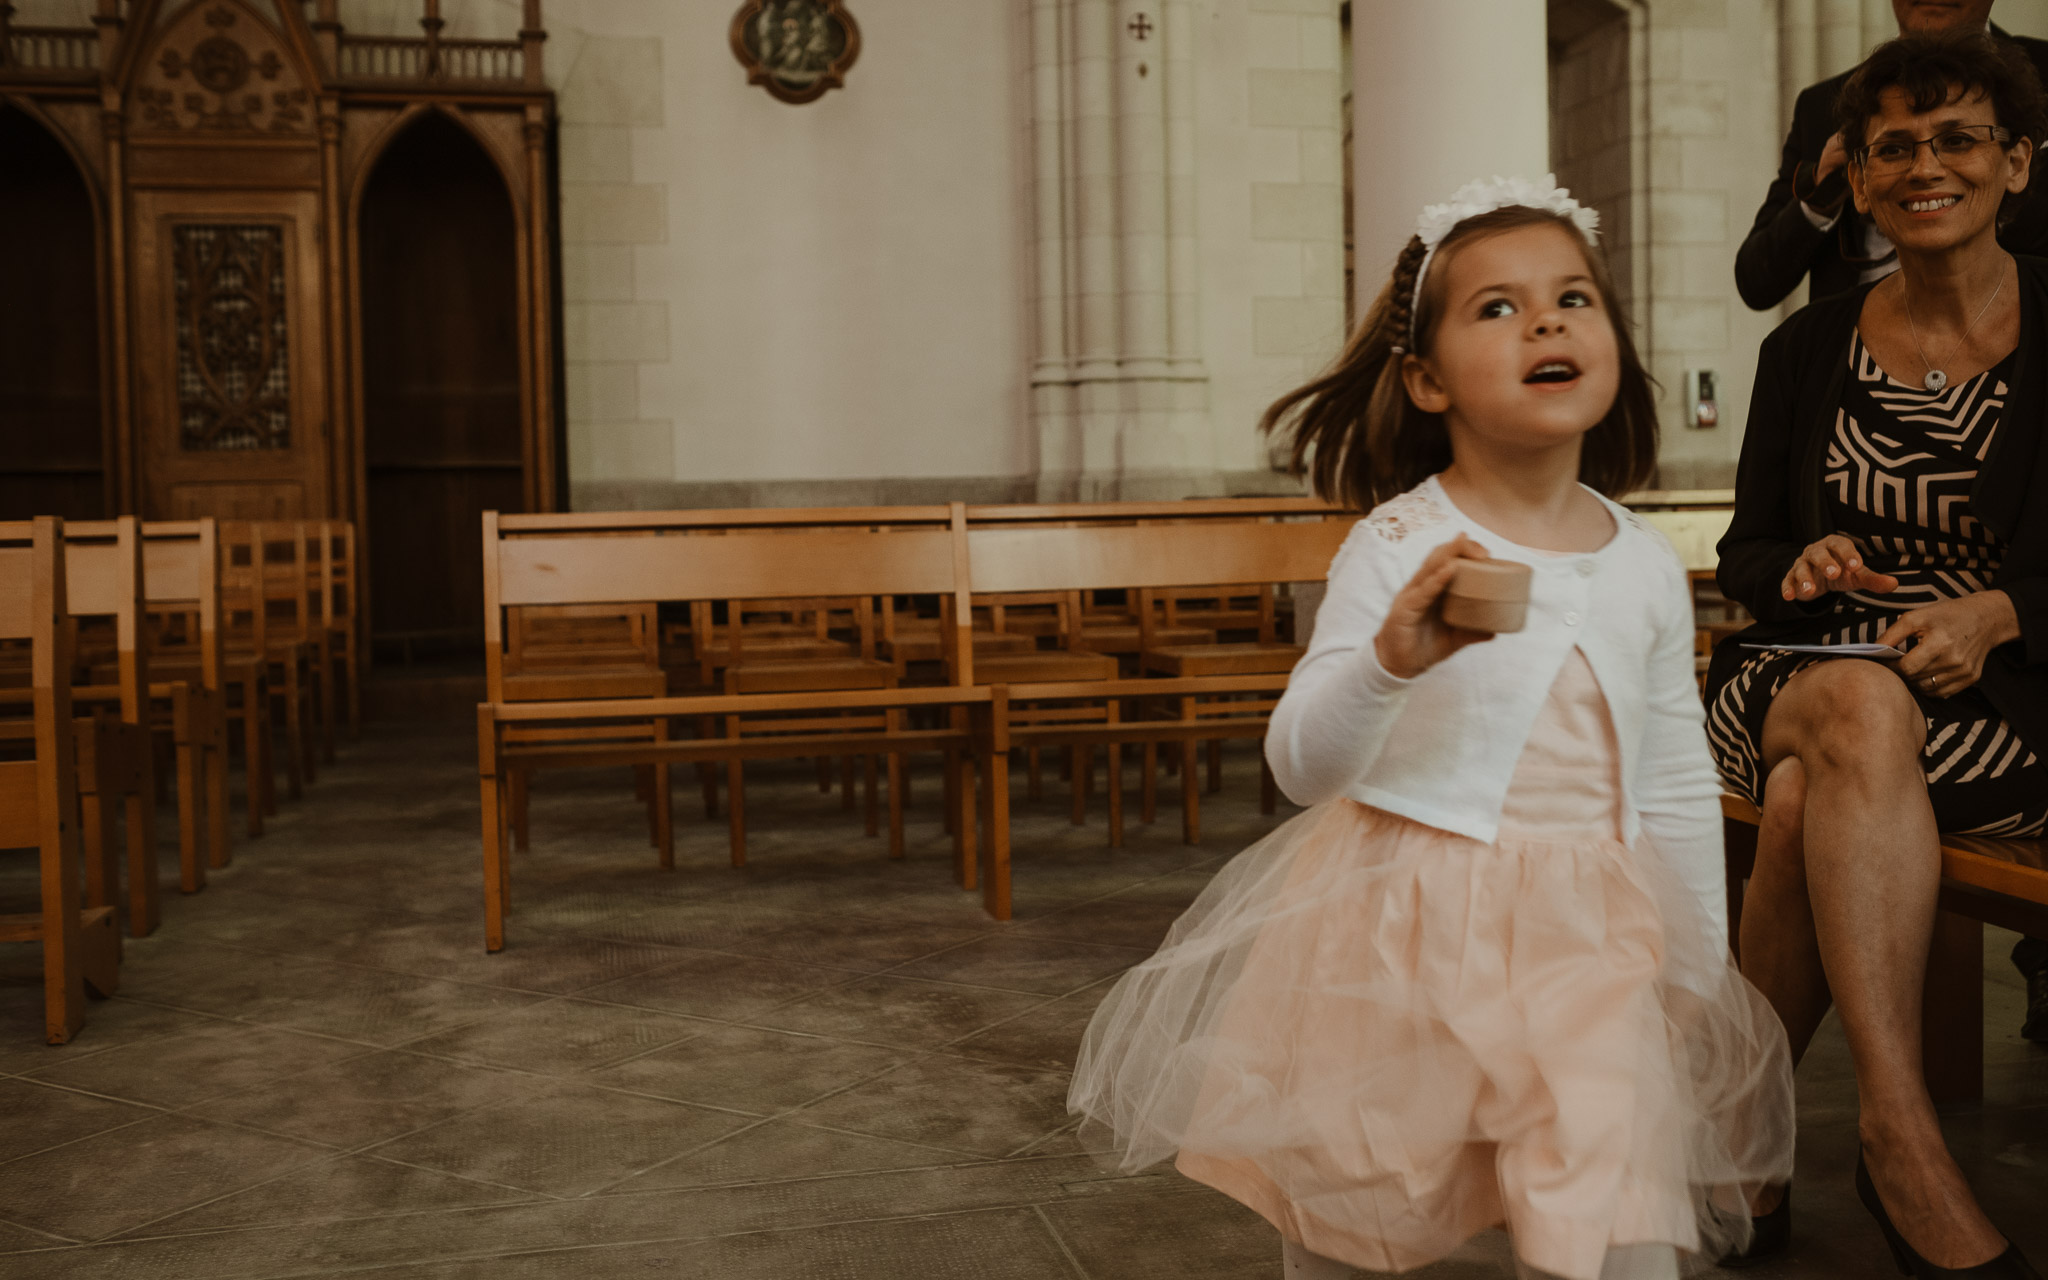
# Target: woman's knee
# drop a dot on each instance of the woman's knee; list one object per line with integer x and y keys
{"x": 1843, "y": 711}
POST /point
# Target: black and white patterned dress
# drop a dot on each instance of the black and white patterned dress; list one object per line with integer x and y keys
{"x": 1899, "y": 470}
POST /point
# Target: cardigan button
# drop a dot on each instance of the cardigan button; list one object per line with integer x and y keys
{"x": 1585, "y": 568}
{"x": 1571, "y": 619}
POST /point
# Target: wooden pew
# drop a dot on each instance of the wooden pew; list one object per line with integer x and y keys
{"x": 1041, "y": 557}
{"x": 189, "y": 678}
{"x": 2001, "y": 882}
{"x": 592, "y": 559}
{"x": 39, "y": 796}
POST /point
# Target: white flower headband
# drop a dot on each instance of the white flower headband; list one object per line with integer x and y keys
{"x": 1484, "y": 195}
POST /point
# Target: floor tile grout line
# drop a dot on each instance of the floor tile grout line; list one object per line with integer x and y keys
{"x": 38, "y": 1231}
{"x": 1060, "y": 1242}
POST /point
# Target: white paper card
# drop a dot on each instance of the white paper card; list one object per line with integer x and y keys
{"x": 1835, "y": 650}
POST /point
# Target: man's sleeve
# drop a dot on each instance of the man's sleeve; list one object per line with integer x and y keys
{"x": 1783, "y": 242}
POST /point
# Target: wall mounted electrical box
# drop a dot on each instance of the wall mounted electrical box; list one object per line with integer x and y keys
{"x": 1702, "y": 399}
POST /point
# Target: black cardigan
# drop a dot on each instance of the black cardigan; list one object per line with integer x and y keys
{"x": 1780, "y": 507}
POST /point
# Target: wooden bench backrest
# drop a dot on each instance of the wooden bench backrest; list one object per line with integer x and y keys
{"x": 633, "y": 557}
{"x": 181, "y": 570}
{"x": 103, "y": 578}
{"x": 37, "y": 795}
{"x": 1133, "y": 512}
{"x": 1081, "y": 558}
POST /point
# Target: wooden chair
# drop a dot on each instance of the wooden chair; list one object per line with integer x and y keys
{"x": 2001, "y": 882}
{"x": 759, "y": 664}
{"x": 39, "y": 796}
{"x": 247, "y": 589}
{"x": 193, "y": 686}
{"x": 1023, "y": 557}
{"x": 1264, "y": 654}
{"x": 595, "y": 559}
{"x": 338, "y": 613}
{"x": 560, "y": 653}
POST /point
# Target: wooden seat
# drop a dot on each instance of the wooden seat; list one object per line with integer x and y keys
{"x": 338, "y": 613}
{"x": 2000, "y": 882}
{"x": 1024, "y": 556}
{"x": 595, "y": 558}
{"x": 81, "y": 945}
{"x": 562, "y": 653}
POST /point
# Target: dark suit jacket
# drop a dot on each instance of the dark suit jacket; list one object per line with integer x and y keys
{"x": 1782, "y": 246}
{"x": 1780, "y": 508}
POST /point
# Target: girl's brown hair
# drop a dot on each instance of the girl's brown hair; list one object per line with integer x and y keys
{"x": 1361, "y": 440}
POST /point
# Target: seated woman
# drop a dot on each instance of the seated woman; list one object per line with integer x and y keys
{"x": 1894, "y": 488}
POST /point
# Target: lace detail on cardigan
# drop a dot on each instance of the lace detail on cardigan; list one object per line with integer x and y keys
{"x": 1397, "y": 517}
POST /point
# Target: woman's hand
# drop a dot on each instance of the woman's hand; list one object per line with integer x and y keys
{"x": 1951, "y": 640}
{"x": 1414, "y": 637}
{"x": 1833, "y": 564}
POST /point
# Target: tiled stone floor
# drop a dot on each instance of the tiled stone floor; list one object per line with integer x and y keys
{"x": 828, "y": 1065}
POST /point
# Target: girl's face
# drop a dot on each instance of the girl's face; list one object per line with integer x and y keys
{"x": 1524, "y": 349}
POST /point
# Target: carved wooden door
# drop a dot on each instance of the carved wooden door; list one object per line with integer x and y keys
{"x": 230, "y": 357}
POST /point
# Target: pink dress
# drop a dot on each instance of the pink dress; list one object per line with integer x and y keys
{"x": 1386, "y": 1038}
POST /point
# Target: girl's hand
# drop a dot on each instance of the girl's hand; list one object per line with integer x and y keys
{"x": 1952, "y": 640}
{"x": 1414, "y": 637}
{"x": 1833, "y": 564}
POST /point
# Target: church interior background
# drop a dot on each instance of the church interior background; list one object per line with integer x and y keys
{"x": 402, "y": 262}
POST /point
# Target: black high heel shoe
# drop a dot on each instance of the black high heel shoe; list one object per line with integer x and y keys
{"x": 1770, "y": 1235}
{"x": 2010, "y": 1265}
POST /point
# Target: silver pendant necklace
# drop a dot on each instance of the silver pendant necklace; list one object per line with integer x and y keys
{"x": 1936, "y": 379}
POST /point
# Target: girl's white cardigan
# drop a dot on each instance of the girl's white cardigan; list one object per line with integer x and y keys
{"x": 1441, "y": 748}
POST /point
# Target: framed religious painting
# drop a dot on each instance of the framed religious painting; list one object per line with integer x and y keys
{"x": 796, "y": 49}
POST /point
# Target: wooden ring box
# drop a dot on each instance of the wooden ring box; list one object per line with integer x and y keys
{"x": 1488, "y": 595}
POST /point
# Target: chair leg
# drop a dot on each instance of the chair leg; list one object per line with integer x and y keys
{"x": 191, "y": 866}
{"x": 707, "y": 782}
{"x": 995, "y": 891}
{"x": 824, "y": 775}
{"x": 253, "y": 768}
{"x": 899, "y": 780}
{"x": 664, "y": 817}
{"x": 1952, "y": 1011}
{"x": 496, "y": 872}
{"x": 63, "y": 963}
{"x": 145, "y": 907}
{"x": 846, "y": 796}
{"x": 950, "y": 801}
{"x": 967, "y": 822}
{"x": 1080, "y": 764}
{"x": 1148, "y": 788}
{"x": 1190, "y": 795}
{"x": 295, "y": 745}
{"x": 870, "y": 784}
{"x": 213, "y": 760}
{"x": 736, "y": 810}
{"x": 102, "y": 869}
{"x": 1116, "y": 795}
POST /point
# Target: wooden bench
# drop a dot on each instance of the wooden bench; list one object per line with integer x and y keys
{"x": 1136, "y": 558}
{"x": 39, "y": 796}
{"x": 590, "y": 559}
{"x": 2000, "y": 882}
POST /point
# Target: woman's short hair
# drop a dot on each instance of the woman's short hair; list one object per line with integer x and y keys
{"x": 1930, "y": 69}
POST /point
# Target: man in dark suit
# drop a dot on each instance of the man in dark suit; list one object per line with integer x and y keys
{"x": 1807, "y": 224}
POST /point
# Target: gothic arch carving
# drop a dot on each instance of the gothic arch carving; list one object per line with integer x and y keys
{"x": 219, "y": 68}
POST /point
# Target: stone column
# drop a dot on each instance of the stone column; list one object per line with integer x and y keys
{"x": 1442, "y": 93}
{"x": 1841, "y": 35}
{"x": 1117, "y": 381}
{"x": 1798, "y": 54}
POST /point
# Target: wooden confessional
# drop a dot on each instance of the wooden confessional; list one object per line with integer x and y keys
{"x": 253, "y": 265}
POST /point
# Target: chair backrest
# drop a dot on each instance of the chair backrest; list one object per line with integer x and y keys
{"x": 1025, "y": 557}
{"x": 630, "y": 557}
{"x": 181, "y": 574}
{"x": 36, "y": 796}
{"x": 103, "y": 574}
{"x": 338, "y": 572}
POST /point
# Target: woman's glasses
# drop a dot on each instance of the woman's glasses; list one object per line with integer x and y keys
{"x": 1952, "y": 147}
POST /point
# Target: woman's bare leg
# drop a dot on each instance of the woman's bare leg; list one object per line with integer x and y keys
{"x": 1872, "y": 863}
{"x": 1780, "y": 951}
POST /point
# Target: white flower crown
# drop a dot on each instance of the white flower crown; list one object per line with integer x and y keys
{"x": 1484, "y": 195}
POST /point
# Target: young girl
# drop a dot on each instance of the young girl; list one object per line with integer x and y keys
{"x": 1485, "y": 979}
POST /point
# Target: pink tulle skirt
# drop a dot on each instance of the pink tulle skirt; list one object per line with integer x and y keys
{"x": 1386, "y": 1038}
